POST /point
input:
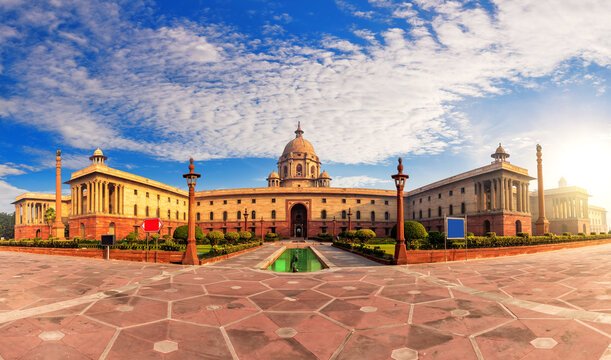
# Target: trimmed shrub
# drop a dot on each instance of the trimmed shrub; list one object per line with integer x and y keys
{"x": 436, "y": 240}
{"x": 593, "y": 233}
{"x": 469, "y": 234}
{"x": 491, "y": 234}
{"x": 132, "y": 237}
{"x": 412, "y": 230}
{"x": 232, "y": 237}
{"x": 365, "y": 234}
{"x": 523, "y": 235}
{"x": 270, "y": 236}
{"x": 245, "y": 235}
{"x": 215, "y": 237}
{"x": 581, "y": 234}
{"x": 181, "y": 234}
{"x": 324, "y": 237}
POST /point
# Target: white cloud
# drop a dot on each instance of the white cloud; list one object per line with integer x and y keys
{"x": 8, "y": 193}
{"x": 10, "y": 169}
{"x": 361, "y": 181}
{"x": 153, "y": 90}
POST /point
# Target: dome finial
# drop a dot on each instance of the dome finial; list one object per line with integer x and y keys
{"x": 298, "y": 132}
{"x": 500, "y": 155}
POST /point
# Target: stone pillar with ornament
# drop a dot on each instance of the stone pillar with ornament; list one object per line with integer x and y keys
{"x": 58, "y": 225}
{"x": 190, "y": 256}
{"x": 400, "y": 249}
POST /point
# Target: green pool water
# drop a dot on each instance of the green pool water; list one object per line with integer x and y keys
{"x": 304, "y": 259}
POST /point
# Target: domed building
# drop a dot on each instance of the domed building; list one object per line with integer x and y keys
{"x": 298, "y": 201}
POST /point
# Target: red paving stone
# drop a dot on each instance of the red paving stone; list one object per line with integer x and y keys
{"x": 459, "y": 310}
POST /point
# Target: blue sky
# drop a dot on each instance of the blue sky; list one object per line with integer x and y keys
{"x": 439, "y": 83}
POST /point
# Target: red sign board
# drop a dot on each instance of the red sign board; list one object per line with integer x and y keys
{"x": 151, "y": 225}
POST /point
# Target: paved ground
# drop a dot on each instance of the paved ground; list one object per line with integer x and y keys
{"x": 553, "y": 305}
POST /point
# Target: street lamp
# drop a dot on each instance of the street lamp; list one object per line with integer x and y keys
{"x": 400, "y": 250}
{"x": 334, "y": 227}
{"x": 245, "y": 219}
{"x": 261, "y": 229}
{"x": 349, "y": 220}
{"x": 190, "y": 256}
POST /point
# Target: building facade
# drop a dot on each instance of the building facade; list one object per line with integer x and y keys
{"x": 493, "y": 198}
{"x": 568, "y": 210}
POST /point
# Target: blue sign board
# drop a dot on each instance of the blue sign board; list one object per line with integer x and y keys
{"x": 456, "y": 228}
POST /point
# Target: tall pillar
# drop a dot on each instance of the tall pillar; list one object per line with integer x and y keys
{"x": 58, "y": 225}
{"x": 106, "y": 197}
{"x": 502, "y": 193}
{"x": 542, "y": 225}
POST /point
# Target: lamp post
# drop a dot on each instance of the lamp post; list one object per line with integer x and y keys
{"x": 245, "y": 219}
{"x": 334, "y": 227}
{"x": 400, "y": 250}
{"x": 349, "y": 220}
{"x": 190, "y": 256}
{"x": 262, "y": 229}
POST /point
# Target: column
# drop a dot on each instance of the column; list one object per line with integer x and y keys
{"x": 478, "y": 196}
{"x": 493, "y": 196}
{"x": 121, "y": 200}
{"x": 27, "y": 212}
{"x": 17, "y": 214}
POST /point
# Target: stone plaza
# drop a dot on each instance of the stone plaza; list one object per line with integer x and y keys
{"x": 552, "y": 305}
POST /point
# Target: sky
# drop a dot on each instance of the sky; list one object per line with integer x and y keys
{"x": 439, "y": 83}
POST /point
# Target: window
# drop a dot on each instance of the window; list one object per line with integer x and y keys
{"x": 386, "y": 215}
{"x": 211, "y": 215}
{"x": 147, "y": 194}
{"x": 451, "y": 192}
{"x": 324, "y": 200}
{"x": 462, "y": 208}
{"x": 451, "y": 210}
{"x": 146, "y": 211}
{"x": 358, "y": 215}
{"x": 158, "y": 213}
{"x": 414, "y": 202}
{"x": 439, "y": 196}
{"x": 169, "y": 214}
{"x": 135, "y": 192}
{"x": 158, "y": 196}
{"x": 176, "y": 214}
{"x": 198, "y": 203}
{"x": 312, "y": 171}
{"x": 420, "y": 214}
{"x": 198, "y": 216}
{"x": 343, "y": 201}
{"x": 211, "y": 202}
{"x": 169, "y": 199}
{"x": 239, "y": 201}
{"x": 176, "y": 201}
{"x": 253, "y": 215}
{"x": 387, "y": 231}
{"x": 358, "y": 201}
{"x": 429, "y": 212}
{"x": 273, "y": 214}
{"x": 323, "y": 214}
{"x": 184, "y": 216}
{"x": 429, "y": 197}
{"x": 343, "y": 214}
{"x": 413, "y": 214}
{"x": 462, "y": 190}
{"x": 299, "y": 170}
{"x": 224, "y": 215}
{"x": 224, "y": 202}
{"x": 273, "y": 200}
{"x": 420, "y": 201}
{"x": 238, "y": 215}
{"x": 323, "y": 229}
{"x": 184, "y": 202}
{"x": 254, "y": 201}
{"x": 373, "y": 216}
{"x": 373, "y": 202}
{"x": 272, "y": 229}
{"x": 439, "y": 211}
{"x": 135, "y": 210}
{"x": 385, "y": 202}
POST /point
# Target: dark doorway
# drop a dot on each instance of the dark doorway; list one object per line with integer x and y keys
{"x": 486, "y": 227}
{"x": 518, "y": 226}
{"x": 299, "y": 221}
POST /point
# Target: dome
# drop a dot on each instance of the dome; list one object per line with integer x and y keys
{"x": 273, "y": 175}
{"x": 98, "y": 152}
{"x": 299, "y": 144}
{"x": 325, "y": 175}
{"x": 500, "y": 150}
{"x": 500, "y": 155}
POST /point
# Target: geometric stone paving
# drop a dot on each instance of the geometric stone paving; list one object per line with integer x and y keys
{"x": 554, "y": 305}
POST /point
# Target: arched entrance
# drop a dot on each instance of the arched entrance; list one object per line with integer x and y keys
{"x": 82, "y": 230}
{"x": 299, "y": 221}
{"x": 486, "y": 227}
{"x": 38, "y": 233}
{"x": 518, "y": 227}
{"x": 111, "y": 228}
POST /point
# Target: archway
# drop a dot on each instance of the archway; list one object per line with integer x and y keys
{"x": 299, "y": 221}
{"x": 518, "y": 226}
{"x": 486, "y": 227}
{"x": 82, "y": 230}
{"x": 38, "y": 234}
{"x": 111, "y": 228}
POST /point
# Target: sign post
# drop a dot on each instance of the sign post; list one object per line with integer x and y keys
{"x": 456, "y": 227}
{"x": 107, "y": 241}
{"x": 149, "y": 226}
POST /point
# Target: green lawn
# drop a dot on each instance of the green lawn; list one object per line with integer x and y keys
{"x": 203, "y": 249}
{"x": 388, "y": 248}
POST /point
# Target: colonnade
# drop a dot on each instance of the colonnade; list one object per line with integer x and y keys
{"x": 502, "y": 194}
{"x": 97, "y": 196}
{"x": 32, "y": 212}
{"x": 569, "y": 207}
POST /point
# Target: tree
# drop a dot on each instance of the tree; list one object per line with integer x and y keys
{"x": 49, "y": 218}
{"x": 181, "y": 234}
{"x": 7, "y": 225}
{"x": 412, "y": 229}
{"x": 232, "y": 237}
{"x": 365, "y": 234}
{"x": 215, "y": 237}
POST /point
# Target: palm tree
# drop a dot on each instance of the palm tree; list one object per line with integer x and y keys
{"x": 50, "y": 218}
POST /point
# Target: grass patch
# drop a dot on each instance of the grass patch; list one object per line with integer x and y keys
{"x": 387, "y": 248}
